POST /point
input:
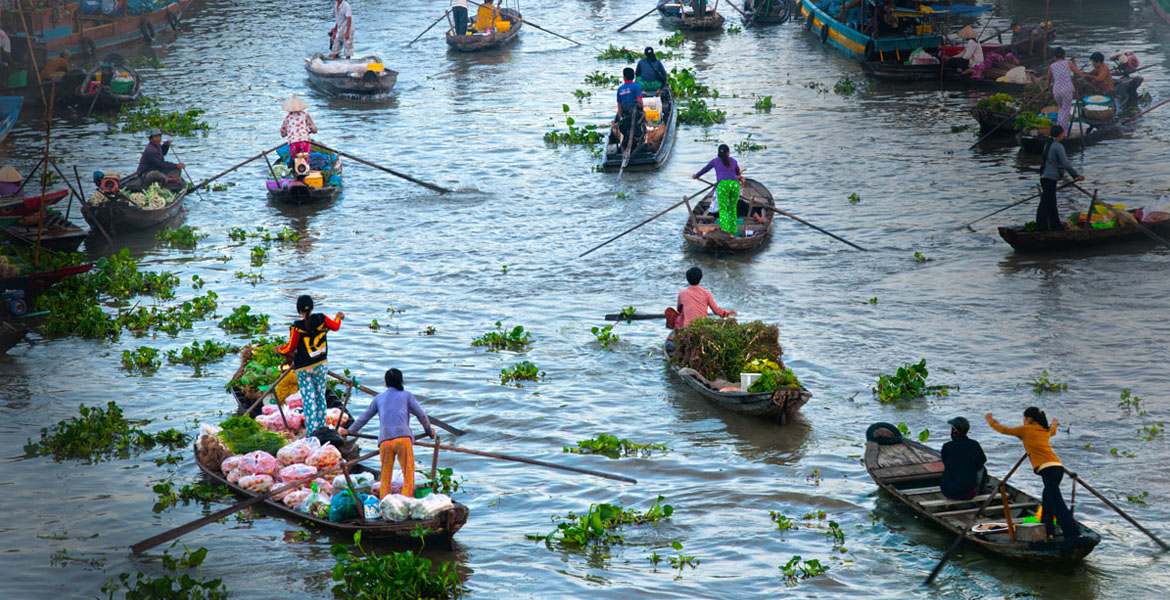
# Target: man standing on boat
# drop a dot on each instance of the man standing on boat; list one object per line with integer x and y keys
{"x": 1055, "y": 164}
{"x": 342, "y": 32}
{"x": 630, "y": 119}
{"x": 152, "y": 167}
{"x": 459, "y": 15}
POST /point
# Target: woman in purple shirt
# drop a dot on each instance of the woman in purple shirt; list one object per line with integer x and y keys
{"x": 395, "y": 440}
{"x": 728, "y": 178}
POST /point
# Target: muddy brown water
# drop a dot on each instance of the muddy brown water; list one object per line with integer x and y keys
{"x": 985, "y": 319}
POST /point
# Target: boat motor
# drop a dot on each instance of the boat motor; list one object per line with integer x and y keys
{"x": 1126, "y": 61}
{"x": 301, "y": 164}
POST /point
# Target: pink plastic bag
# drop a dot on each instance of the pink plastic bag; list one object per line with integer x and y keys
{"x": 256, "y": 483}
{"x": 297, "y": 451}
{"x": 230, "y": 463}
{"x": 323, "y": 487}
{"x": 324, "y": 457}
{"x": 294, "y": 401}
{"x": 233, "y": 476}
{"x": 263, "y": 463}
{"x": 295, "y": 497}
{"x": 270, "y": 409}
{"x": 292, "y": 473}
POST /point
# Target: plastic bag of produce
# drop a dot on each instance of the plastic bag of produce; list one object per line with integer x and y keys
{"x": 269, "y": 409}
{"x": 294, "y": 453}
{"x": 295, "y": 420}
{"x": 292, "y": 473}
{"x": 231, "y": 463}
{"x": 331, "y": 416}
{"x": 396, "y": 507}
{"x": 342, "y": 508}
{"x": 295, "y": 497}
{"x": 364, "y": 482}
{"x": 294, "y": 401}
{"x": 234, "y": 475}
{"x": 395, "y": 485}
{"x": 324, "y": 457}
{"x": 256, "y": 483}
{"x": 312, "y": 497}
{"x": 262, "y": 463}
{"x": 325, "y": 487}
{"x": 272, "y": 422}
{"x": 432, "y": 505}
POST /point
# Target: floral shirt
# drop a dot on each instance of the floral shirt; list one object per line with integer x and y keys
{"x": 296, "y": 127}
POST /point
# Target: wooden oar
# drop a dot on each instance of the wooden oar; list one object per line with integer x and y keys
{"x": 1125, "y": 122}
{"x": 521, "y": 459}
{"x": 431, "y": 186}
{"x": 1032, "y": 197}
{"x": 830, "y": 234}
{"x": 634, "y": 317}
{"x": 531, "y": 24}
{"x": 1115, "y": 508}
{"x": 672, "y": 207}
{"x": 188, "y": 174}
{"x": 647, "y": 14}
{"x": 737, "y": 9}
{"x": 84, "y": 206}
{"x": 1125, "y": 216}
{"x": 629, "y": 143}
{"x": 974, "y": 517}
{"x": 207, "y": 181}
{"x": 994, "y": 129}
{"x": 430, "y": 417}
{"x": 428, "y": 28}
{"x": 171, "y": 534}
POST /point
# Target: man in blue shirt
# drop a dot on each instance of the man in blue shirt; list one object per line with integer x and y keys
{"x": 630, "y": 116}
{"x": 651, "y": 73}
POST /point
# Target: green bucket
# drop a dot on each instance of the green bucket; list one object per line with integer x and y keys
{"x": 122, "y": 87}
{"x": 422, "y": 492}
{"x": 18, "y": 79}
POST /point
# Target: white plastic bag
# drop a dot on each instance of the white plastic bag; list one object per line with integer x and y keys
{"x": 434, "y": 504}
{"x": 396, "y": 507}
{"x": 364, "y": 482}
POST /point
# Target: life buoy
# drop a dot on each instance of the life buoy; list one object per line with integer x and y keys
{"x": 147, "y": 30}
{"x": 173, "y": 20}
{"x": 870, "y": 51}
{"x": 88, "y": 49}
{"x": 824, "y": 33}
{"x": 109, "y": 185}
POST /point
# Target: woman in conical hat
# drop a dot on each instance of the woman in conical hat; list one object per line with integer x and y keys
{"x": 297, "y": 126}
{"x": 9, "y": 181}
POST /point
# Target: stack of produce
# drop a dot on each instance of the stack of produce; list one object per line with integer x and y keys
{"x": 721, "y": 349}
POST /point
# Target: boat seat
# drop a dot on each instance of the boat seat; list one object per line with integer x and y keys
{"x": 967, "y": 511}
{"x": 920, "y": 491}
{"x": 950, "y": 501}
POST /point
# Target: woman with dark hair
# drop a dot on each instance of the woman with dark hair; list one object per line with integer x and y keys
{"x": 1035, "y": 434}
{"x": 395, "y": 440}
{"x": 307, "y": 350}
{"x": 1099, "y": 77}
{"x": 1060, "y": 73}
{"x": 728, "y": 179}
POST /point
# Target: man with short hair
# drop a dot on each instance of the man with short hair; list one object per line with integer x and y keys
{"x": 56, "y": 67}
{"x": 1055, "y": 162}
{"x": 630, "y": 116}
{"x": 1025, "y": 36}
{"x": 694, "y": 301}
{"x": 152, "y": 167}
{"x": 342, "y": 32}
{"x": 963, "y": 461}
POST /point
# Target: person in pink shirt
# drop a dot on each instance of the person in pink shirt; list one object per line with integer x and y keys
{"x": 694, "y": 301}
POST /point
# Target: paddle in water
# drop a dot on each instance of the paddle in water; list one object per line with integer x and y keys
{"x": 644, "y": 15}
{"x": 437, "y": 421}
{"x": 672, "y": 207}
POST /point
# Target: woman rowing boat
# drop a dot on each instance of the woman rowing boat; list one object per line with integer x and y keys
{"x": 728, "y": 179}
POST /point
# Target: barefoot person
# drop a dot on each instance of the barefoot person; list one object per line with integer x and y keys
{"x": 153, "y": 167}
{"x": 395, "y": 440}
{"x": 308, "y": 352}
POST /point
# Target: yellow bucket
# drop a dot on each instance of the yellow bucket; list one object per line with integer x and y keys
{"x": 375, "y": 67}
{"x": 314, "y": 180}
{"x": 502, "y": 25}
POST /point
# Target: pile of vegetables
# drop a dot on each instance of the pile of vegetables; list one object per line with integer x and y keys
{"x": 243, "y": 434}
{"x": 152, "y": 198}
{"x": 1002, "y": 103}
{"x": 773, "y": 376}
{"x": 259, "y": 366}
{"x": 722, "y": 348}
{"x": 1027, "y": 121}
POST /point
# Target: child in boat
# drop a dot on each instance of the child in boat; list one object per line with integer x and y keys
{"x": 395, "y": 440}
{"x": 307, "y": 350}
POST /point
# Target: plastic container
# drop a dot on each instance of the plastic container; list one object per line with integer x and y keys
{"x": 314, "y": 180}
{"x": 653, "y": 115}
{"x": 122, "y": 87}
{"x": 503, "y": 26}
{"x": 375, "y": 67}
{"x": 747, "y": 379}
{"x": 422, "y": 492}
{"x": 18, "y": 79}
{"x": 1097, "y": 99}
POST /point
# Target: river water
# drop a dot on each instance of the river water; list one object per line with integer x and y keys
{"x": 986, "y": 320}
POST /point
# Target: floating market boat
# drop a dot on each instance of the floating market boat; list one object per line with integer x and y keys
{"x": 9, "y": 111}
{"x": 1023, "y": 240}
{"x": 109, "y": 85}
{"x": 120, "y": 213}
{"x": 767, "y": 12}
{"x": 439, "y": 528}
{"x": 911, "y": 472}
{"x": 57, "y": 234}
{"x": 702, "y": 229}
{"x": 676, "y": 15}
{"x": 61, "y": 89}
{"x": 32, "y": 284}
{"x": 357, "y": 76}
{"x": 14, "y": 209}
{"x": 10, "y": 335}
{"x": 659, "y": 139}
{"x": 497, "y": 37}
{"x": 775, "y": 406}
{"x": 893, "y": 46}
{"x": 1162, "y": 8}
{"x": 85, "y": 28}
{"x": 1081, "y": 134}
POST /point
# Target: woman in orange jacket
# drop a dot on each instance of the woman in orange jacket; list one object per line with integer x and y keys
{"x": 1034, "y": 433}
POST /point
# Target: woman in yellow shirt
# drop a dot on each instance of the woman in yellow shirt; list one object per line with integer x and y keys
{"x": 485, "y": 17}
{"x": 1034, "y": 433}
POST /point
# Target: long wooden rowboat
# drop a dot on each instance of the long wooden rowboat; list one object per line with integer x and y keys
{"x": 350, "y": 76}
{"x": 711, "y": 21}
{"x": 118, "y": 216}
{"x": 911, "y": 472}
{"x": 776, "y": 406}
{"x": 702, "y": 229}
{"x": 304, "y": 194}
{"x": 58, "y": 234}
{"x": 106, "y": 97}
{"x": 651, "y": 155}
{"x": 476, "y": 41}
{"x": 440, "y": 528}
{"x": 1031, "y": 143}
{"x": 1022, "y": 240}
{"x": 771, "y": 12}
{"x": 32, "y": 284}
{"x": 10, "y": 335}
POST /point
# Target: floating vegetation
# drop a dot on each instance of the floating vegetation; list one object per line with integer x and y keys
{"x": 147, "y": 62}
{"x": 99, "y": 434}
{"x": 764, "y": 104}
{"x": 614, "y": 447}
{"x": 183, "y": 237}
{"x": 628, "y": 313}
{"x": 675, "y": 40}
{"x": 145, "y": 115}
{"x": 921, "y": 258}
{"x": 615, "y": 53}
{"x": 681, "y": 561}
{"x": 923, "y": 435}
{"x": 782, "y": 522}
{"x": 695, "y": 112}
{"x": 143, "y": 360}
{"x": 598, "y": 525}
{"x": 394, "y": 576}
{"x": 747, "y": 145}
{"x": 796, "y": 569}
{"x": 1149, "y": 432}
{"x": 581, "y": 95}
{"x": 521, "y": 371}
{"x": 186, "y": 587}
{"x": 515, "y": 339}
{"x": 960, "y": 128}
{"x": 845, "y": 87}
{"x": 1042, "y": 385}
{"x": 854, "y": 198}
{"x": 168, "y": 496}
{"x": 683, "y": 85}
{"x": 834, "y": 533}
{"x": 1139, "y": 498}
{"x": 584, "y": 136}
{"x": 251, "y": 277}
{"x": 1126, "y": 453}
{"x": 1130, "y": 404}
{"x": 734, "y": 29}
{"x": 817, "y": 87}
{"x": 605, "y": 335}
{"x": 258, "y": 254}
{"x": 243, "y": 321}
{"x": 172, "y": 319}
{"x": 196, "y": 355}
{"x": 908, "y": 382}
{"x": 601, "y": 79}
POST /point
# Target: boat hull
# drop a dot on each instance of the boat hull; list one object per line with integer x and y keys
{"x": 370, "y": 83}
{"x": 644, "y": 160}
{"x": 477, "y": 43}
{"x": 857, "y": 45}
{"x": 119, "y": 217}
{"x": 1073, "y": 239}
{"x": 714, "y": 240}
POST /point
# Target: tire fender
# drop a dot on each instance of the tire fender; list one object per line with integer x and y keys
{"x": 147, "y": 30}
{"x": 825, "y": 33}
{"x": 88, "y": 49}
{"x": 173, "y": 20}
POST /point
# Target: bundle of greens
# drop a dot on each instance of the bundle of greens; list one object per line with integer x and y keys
{"x": 243, "y": 434}
{"x": 721, "y": 348}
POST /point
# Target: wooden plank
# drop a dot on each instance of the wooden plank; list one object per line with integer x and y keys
{"x": 909, "y": 469}
{"x": 920, "y": 491}
{"x": 954, "y": 513}
{"x": 912, "y": 478}
{"x": 949, "y": 501}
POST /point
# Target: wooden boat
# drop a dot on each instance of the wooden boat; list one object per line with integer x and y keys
{"x": 297, "y": 193}
{"x": 358, "y": 76}
{"x": 651, "y": 155}
{"x": 911, "y": 472}
{"x": 767, "y": 12}
{"x": 775, "y": 406}
{"x": 77, "y": 29}
{"x": 702, "y": 230}
{"x": 10, "y": 335}
{"x": 117, "y": 215}
{"x": 9, "y": 111}
{"x": 861, "y": 46}
{"x": 14, "y": 209}
{"x": 674, "y": 15}
{"x": 1162, "y": 9}
{"x": 32, "y": 284}
{"x": 58, "y": 234}
{"x": 486, "y": 41}
{"x": 1001, "y": 122}
{"x": 1022, "y": 240}
{"x": 109, "y": 85}
{"x": 440, "y": 528}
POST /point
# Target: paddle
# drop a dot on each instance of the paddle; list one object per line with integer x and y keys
{"x": 994, "y": 129}
{"x": 830, "y": 234}
{"x": 1127, "y": 217}
{"x": 629, "y": 142}
{"x": 634, "y": 317}
{"x": 432, "y": 418}
{"x": 428, "y": 28}
{"x": 84, "y": 206}
{"x": 1115, "y": 508}
{"x": 962, "y": 536}
{"x": 1033, "y": 196}
{"x": 171, "y": 534}
{"x": 672, "y": 207}
{"x": 647, "y": 14}
{"x": 521, "y": 459}
{"x": 1125, "y": 122}
{"x": 531, "y": 24}
{"x": 737, "y": 9}
{"x": 441, "y": 190}
{"x": 207, "y": 181}
{"x": 188, "y": 174}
